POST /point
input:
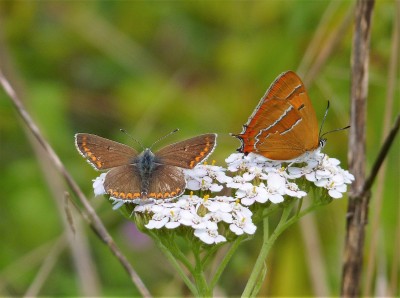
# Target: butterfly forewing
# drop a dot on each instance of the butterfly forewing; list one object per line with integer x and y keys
{"x": 187, "y": 154}
{"x": 103, "y": 153}
{"x": 123, "y": 182}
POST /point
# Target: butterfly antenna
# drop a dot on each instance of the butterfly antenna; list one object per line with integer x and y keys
{"x": 337, "y": 129}
{"x": 321, "y": 135}
{"x": 323, "y": 121}
{"x": 129, "y": 135}
{"x": 167, "y": 135}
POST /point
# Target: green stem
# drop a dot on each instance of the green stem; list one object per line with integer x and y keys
{"x": 200, "y": 280}
{"x": 271, "y": 209}
{"x": 212, "y": 251}
{"x": 181, "y": 257}
{"x": 250, "y": 289}
{"x": 299, "y": 207}
{"x": 266, "y": 246}
{"x": 225, "y": 261}
{"x": 171, "y": 258}
{"x": 263, "y": 272}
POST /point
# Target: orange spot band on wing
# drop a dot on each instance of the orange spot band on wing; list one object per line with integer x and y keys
{"x": 202, "y": 154}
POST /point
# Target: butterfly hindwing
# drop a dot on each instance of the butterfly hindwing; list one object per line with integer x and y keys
{"x": 103, "y": 153}
{"x": 166, "y": 182}
{"x": 123, "y": 182}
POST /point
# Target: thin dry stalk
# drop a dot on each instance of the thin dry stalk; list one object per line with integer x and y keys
{"x": 382, "y": 155}
{"x": 357, "y": 232}
{"x": 79, "y": 248}
{"x": 313, "y": 247}
{"x": 46, "y": 268}
{"x": 326, "y": 51}
{"x": 394, "y": 274}
{"x": 378, "y": 201}
{"x": 25, "y": 263}
{"x": 316, "y": 40}
{"x": 357, "y": 211}
{"x": 315, "y": 260}
{"x": 87, "y": 211}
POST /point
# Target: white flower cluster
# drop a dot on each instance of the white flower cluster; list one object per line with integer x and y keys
{"x": 252, "y": 179}
{"x": 324, "y": 172}
{"x": 261, "y": 180}
{"x": 201, "y": 214}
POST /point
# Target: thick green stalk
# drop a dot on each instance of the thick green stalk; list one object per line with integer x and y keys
{"x": 263, "y": 272}
{"x": 181, "y": 256}
{"x": 250, "y": 288}
{"x": 200, "y": 280}
{"x": 266, "y": 246}
{"x": 172, "y": 259}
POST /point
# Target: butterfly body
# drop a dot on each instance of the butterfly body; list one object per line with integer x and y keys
{"x": 145, "y": 164}
{"x": 284, "y": 125}
{"x": 146, "y": 175}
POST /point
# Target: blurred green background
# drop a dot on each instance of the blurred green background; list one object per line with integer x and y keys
{"x": 150, "y": 67}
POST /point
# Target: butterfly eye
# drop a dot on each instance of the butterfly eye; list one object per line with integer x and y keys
{"x": 322, "y": 143}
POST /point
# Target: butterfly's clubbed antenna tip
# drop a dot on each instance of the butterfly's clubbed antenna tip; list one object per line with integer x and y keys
{"x": 163, "y": 137}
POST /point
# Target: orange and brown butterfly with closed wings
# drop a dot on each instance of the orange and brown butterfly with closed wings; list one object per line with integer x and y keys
{"x": 284, "y": 125}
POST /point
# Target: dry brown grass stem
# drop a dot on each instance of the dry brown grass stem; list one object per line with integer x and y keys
{"x": 358, "y": 207}
{"x": 319, "y": 34}
{"x": 327, "y": 49}
{"x": 47, "y": 266}
{"x": 357, "y": 210}
{"x": 88, "y": 280}
{"x": 87, "y": 212}
{"x": 312, "y": 62}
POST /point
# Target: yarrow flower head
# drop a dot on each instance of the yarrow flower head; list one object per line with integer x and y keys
{"x": 206, "y": 177}
{"x": 260, "y": 180}
{"x": 248, "y": 180}
{"x": 203, "y": 215}
{"x": 325, "y": 172}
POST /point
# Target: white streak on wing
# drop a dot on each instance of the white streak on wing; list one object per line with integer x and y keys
{"x": 272, "y": 125}
{"x": 262, "y": 102}
{"x": 294, "y": 90}
{"x": 290, "y": 128}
